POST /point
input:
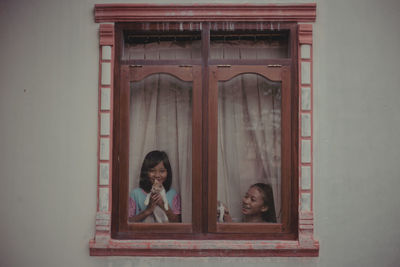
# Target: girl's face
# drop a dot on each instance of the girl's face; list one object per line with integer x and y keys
{"x": 253, "y": 202}
{"x": 158, "y": 172}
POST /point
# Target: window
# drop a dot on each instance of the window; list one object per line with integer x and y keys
{"x": 160, "y": 104}
{"x": 222, "y": 100}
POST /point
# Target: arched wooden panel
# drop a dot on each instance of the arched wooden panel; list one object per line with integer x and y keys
{"x": 273, "y": 73}
{"x": 138, "y": 73}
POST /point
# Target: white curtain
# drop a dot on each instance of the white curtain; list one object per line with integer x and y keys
{"x": 161, "y": 118}
{"x": 248, "y": 124}
{"x": 249, "y": 127}
{"x": 248, "y": 139}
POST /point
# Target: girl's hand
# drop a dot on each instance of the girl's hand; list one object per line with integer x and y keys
{"x": 227, "y": 217}
{"x": 152, "y": 205}
{"x": 158, "y": 200}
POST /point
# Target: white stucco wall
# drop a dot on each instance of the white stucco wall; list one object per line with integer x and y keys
{"x": 48, "y": 128}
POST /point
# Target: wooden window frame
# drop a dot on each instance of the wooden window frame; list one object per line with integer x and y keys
{"x": 301, "y": 242}
{"x": 287, "y": 228}
{"x": 121, "y": 229}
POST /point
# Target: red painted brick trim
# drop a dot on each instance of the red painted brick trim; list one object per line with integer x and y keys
{"x": 205, "y": 253}
{"x": 217, "y": 12}
{"x": 106, "y": 38}
{"x": 305, "y": 33}
{"x": 106, "y": 34}
{"x": 202, "y": 248}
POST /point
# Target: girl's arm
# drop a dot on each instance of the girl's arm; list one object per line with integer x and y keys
{"x": 144, "y": 214}
{"x": 141, "y": 216}
{"x": 172, "y": 217}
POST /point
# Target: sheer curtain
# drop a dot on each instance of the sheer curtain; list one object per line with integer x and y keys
{"x": 249, "y": 130}
{"x": 248, "y": 124}
{"x": 161, "y": 118}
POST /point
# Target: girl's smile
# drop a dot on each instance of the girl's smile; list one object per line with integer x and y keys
{"x": 158, "y": 172}
{"x": 253, "y": 203}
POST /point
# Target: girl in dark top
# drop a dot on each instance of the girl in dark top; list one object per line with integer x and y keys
{"x": 257, "y": 205}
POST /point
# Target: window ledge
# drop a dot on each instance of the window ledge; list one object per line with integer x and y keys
{"x": 104, "y": 246}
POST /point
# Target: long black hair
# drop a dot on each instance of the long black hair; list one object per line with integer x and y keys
{"x": 150, "y": 161}
{"x": 268, "y": 197}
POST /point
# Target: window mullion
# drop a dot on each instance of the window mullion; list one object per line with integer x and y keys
{"x": 205, "y": 48}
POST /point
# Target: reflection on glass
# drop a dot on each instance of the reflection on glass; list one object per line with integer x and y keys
{"x": 160, "y": 119}
{"x": 249, "y": 46}
{"x": 164, "y": 47}
{"x": 249, "y": 147}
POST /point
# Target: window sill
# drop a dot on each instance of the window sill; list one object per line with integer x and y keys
{"x": 104, "y": 246}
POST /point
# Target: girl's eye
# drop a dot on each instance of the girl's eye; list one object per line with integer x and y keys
{"x": 159, "y": 171}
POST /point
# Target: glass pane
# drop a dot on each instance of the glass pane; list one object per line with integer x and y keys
{"x": 249, "y": 148}
{"x": 160, "y": 119}
{"x": 249, "y": 46}
{"x": 162, "y": 46}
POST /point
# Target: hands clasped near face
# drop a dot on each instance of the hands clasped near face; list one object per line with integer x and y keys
{"x": 156, "y": 200}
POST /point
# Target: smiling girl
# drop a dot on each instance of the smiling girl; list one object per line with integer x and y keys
{"x": 155, "y": 167}
{"x": 257, "y": 205}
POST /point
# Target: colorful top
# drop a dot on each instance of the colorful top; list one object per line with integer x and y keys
{"x": 138, "y": 195}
